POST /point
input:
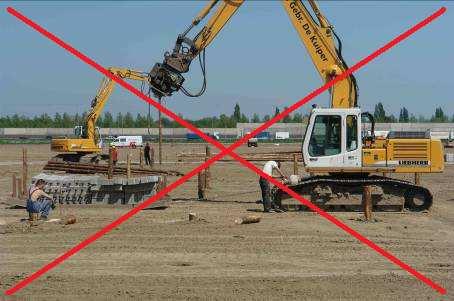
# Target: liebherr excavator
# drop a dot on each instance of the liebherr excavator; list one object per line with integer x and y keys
{"x": 87, "y": 144}
{"x": 340, "y": 159}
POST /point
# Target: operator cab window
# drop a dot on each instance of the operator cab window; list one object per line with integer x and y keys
{"x": 122, "y": 139}
{"x": 326, "y": 136}
{"x": 352, "y": 133}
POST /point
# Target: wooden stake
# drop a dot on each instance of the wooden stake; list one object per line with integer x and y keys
{"x": 110, "y": 169}
{"x": 367, "y": 202}
{"x": 14, "y": 186}
{"x": 128, "y": 165}
{"x": 141, "y": 157}
{"x": 24, "y": 171}
{"x": 417, "y": 178}
{"x": 207, "y": 171}
{"x": 295, "y": 164}
{"x": 19, "y": 187}
{"x": 201, "y": 186}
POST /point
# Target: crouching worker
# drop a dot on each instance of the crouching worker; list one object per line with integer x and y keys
{"x": 38, "y": 201}
{"x": 268, "y": 204}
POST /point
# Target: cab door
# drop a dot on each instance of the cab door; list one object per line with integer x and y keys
{"x": 353, "y": 144}
{"x": 322, "y": 145}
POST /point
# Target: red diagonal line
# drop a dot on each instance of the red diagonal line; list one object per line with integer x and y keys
{"x": 226, "y": 151}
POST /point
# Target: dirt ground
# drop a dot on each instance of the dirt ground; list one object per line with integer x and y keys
{"x": 160, "y": 255}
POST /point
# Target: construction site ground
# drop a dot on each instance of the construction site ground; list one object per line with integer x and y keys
{"x": 159, "y": 254}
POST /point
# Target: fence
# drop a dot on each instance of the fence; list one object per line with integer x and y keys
{"x": 295, "y": 130}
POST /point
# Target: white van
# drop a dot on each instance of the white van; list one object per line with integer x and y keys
{"x": 128, "y": 141}
{"x": 282, "y": 135}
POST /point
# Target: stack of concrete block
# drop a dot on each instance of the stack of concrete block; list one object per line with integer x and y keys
{"x": 82, "y": 189}
{"x": 69, "y": 189}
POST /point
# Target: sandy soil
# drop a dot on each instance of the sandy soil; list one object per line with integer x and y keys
{"x": 160, "y": 255}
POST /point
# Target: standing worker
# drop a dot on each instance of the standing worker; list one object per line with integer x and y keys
{"x": 114, "y": 155}
{"x": 38, "y": 201}
{"x": 268, "y": 205}
{"x": 148, "y": 153}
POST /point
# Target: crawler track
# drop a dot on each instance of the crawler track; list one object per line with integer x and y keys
{"x": 346, "y": 191}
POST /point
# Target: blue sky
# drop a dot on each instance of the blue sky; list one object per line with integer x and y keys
{"x": 257, "y": 60}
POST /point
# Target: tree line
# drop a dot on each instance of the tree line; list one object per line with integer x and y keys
{"x": 405, "y": 116}
{"x": 127, "y": 120}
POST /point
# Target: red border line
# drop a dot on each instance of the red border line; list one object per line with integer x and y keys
{"x": 224, "y": 151}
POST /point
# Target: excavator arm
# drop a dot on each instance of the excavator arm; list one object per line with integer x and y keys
{"x": 103, "y": 94}
{"x": 87, "y": 141}
{"x": 318, "y": 38}
{"x": 166, "y": 78}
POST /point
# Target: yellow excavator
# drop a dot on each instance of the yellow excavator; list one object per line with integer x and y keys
{"x": 86, "y": 146}
{"x": 340, "y": 157}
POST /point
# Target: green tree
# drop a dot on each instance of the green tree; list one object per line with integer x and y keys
{"x": 67, "y": 121}
{"x": 439, "y": 116}
{"x": 255, "y": 118}
{"x": 100, "y": 121}
{"x": 288, "y": 118}
{"x": 141, "y": 121}
{"x": 421, "y": 118}
{"x": 403, "y": 115}
{"x": 297, "y": 118}
{"x": 237, "y": 113}
{"x": 108, "y": 121}
{"x": 119, "y": 121}
{"x": 128, "y": 121}
{"x": 224, "y": 121}
{"x": 379, "y": 113}
{"x": 57, "y": 122}
{"x": 276, "y": 112}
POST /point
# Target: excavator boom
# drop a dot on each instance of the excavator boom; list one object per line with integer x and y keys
{"x": 317, "y": 37}
{"x": 88, "y": 138}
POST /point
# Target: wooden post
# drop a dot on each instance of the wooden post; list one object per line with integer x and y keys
{"x": 367, "y": 202}
{"x": 19, "y": 187}
{"x": 24, "y": 171}
{"x": 295, "y": 164}
{"x": 128, "y": 165}
{"x": 207, "y": 171}
{"x": 417, "y": 178}
{"x": 14, "y": 186}
{"x": 201, "y": 186}
{"x": 141, "y": 157}
{"x": 162, "y": 183}
{"x": 111, "y": 167}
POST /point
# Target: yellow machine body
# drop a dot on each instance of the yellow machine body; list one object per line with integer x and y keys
{"x": 405, "y": 155}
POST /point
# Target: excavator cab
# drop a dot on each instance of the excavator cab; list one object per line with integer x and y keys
{"x": 333, "y": 138}
{"x": 79, "y": 131}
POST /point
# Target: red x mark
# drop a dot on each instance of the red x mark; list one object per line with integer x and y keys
{"x": 225, "y": 151}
